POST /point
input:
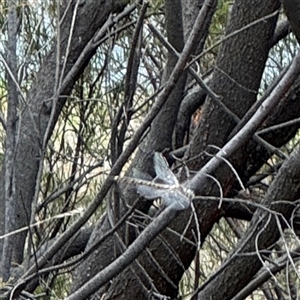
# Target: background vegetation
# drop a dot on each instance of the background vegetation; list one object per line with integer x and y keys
{"x": 90, "y": 90}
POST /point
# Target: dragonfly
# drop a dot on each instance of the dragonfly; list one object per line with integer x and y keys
{"x": 165, "y": 186}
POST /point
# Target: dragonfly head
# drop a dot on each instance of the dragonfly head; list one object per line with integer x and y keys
{"x": 190, "y": 194}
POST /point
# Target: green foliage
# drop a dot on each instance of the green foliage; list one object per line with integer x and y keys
{"x": 156, "y": 7}
{"x": 220, "y": 18}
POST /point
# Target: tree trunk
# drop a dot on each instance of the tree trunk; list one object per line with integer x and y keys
{"x": 44, "y": 104}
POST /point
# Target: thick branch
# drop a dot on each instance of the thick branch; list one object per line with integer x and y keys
{"x": 262, "y": 234}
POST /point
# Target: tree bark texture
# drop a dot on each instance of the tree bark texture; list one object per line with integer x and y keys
{"x": 44, "y": 104}
{"x": 241, "y": 59}
{"x": 237, "y": 84}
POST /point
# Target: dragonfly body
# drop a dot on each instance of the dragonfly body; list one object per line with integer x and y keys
{"x": 165, "y": 186}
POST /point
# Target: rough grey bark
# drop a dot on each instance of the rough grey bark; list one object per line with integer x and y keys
{"x": 244, "y": 89}
{"x": 292, "y": 8}
{"x": 159, "y": 138}
{"x": 73, "y": 248}
{"x": 11, "y": 143}
{"x": 190, "y": 11}
{"x": 238, "y": 92}
{"x": 263, "y": 232}
{"x": 124, "y": 260}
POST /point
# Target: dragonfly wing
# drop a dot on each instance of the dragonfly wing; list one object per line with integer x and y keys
{"x": 140, "y": 175}
{"x": 172, "y": 196}
{"x": 176, "y": 198}
{"x": 163, "y": 171}
{"x": 149, "y": 192}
